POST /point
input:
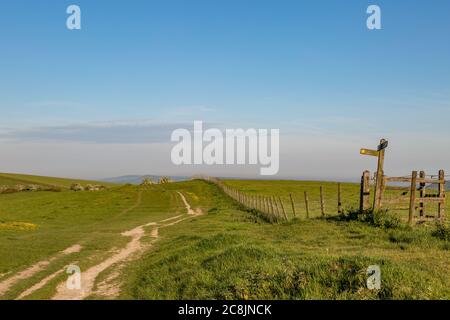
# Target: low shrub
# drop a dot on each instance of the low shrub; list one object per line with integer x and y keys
{"x": 377, "y": 218}
{"x": 9, "y": 191}
{"x": 442, "y": 232}
{"x": 52, "y": 189}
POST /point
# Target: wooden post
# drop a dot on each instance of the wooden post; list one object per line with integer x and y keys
{"x": 266, "y": 207}
{"x": 412, "y": 198}
{"x": 383, "y": 189}
{"x": 322, "y": 202}
{"x": 379, "y": 179}
{"x": 263, "y": 204}
{"x": 422, "y": 194}
{"x": 271, "y": 207}
{"x": 307, "y": 204}
{"x": 282, "y": 208}
{"x": 441, "y": 205}
{"x": 292, "y": 204}
{"x": 364, "y": 199}
{"x": 276, "y": 206}
{"x": 339, "y": 199}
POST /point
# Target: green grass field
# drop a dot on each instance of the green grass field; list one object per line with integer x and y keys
{"x": 349, "y": 195}
{"x": 226, "y": 253}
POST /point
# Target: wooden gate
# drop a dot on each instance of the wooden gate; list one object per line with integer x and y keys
{"x": 416, "y": 196}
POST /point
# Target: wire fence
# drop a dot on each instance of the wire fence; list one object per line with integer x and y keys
{"x": 278, "y": 208}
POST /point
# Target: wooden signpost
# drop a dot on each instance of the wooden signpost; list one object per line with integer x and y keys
{"x": 380, "y": 173}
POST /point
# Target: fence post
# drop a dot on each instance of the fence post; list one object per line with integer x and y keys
{"x": 322, "y": 202}
{"x": 271, "y": 207}
{"x": 282, "y": 208}
{"x": 307, "y": 204}
{"x": 412, "y": 198}
{"x": 263, "y": 204}
{"x": 276, "y": 206}
{"x": 265, "y": 207}
{"x": 292, "y": 203}
{"x": 441, "y": 205}
{"x": 339, "y": 199}
{"x": 364, "y": 198}
{"x": 422, "y": 194}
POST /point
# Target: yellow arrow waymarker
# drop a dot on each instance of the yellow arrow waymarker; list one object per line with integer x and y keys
{"x": 369, "y": 152}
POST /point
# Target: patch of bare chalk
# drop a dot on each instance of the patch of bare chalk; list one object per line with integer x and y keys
{"x": 188, "y": 207}
{"x": 6, "y": 284}
{"x": 88, "y": 277}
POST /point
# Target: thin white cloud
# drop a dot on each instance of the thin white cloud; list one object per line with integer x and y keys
{"x": 123, "y": 132}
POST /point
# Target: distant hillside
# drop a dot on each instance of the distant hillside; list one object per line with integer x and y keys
{"x": 137, "y": 179}
{"x": 11, "y": 179}
{"x": 435, "y": 186}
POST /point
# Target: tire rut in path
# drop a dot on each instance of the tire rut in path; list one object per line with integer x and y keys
{"x": 133, "y": 247}
{"x": 6, "y": 284}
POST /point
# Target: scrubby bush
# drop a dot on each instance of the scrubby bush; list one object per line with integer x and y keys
{"x": 52, "y": 189}
{"x": 442, "y": 232}
{"x": 377, "y": 218}
{"x": 9, "y": 190}
{"x": 383, "y": 218}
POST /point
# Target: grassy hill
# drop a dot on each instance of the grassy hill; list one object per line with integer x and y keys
{"x": 10, "y": 179}
{"x": 227, "y": 253}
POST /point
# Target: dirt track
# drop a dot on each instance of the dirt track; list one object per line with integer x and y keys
{"x": 109, "y": 287}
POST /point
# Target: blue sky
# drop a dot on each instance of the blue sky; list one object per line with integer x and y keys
{"x": 310, "y": 68}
